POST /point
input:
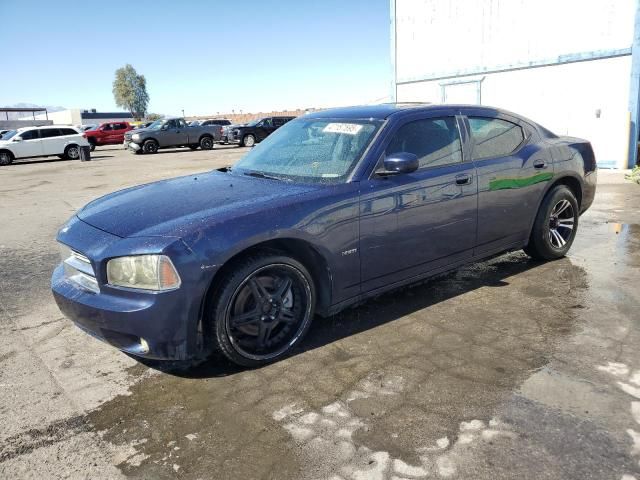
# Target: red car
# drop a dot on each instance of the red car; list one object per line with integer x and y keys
{"x": 111, "y": 133}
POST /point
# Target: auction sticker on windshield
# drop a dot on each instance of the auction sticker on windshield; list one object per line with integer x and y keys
{"x": 348, "y": 128}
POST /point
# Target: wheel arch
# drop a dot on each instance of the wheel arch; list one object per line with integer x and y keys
{"x": 6, "y": 150}
{"x": 568, "y": 180}
{"x": 301, "y": 250}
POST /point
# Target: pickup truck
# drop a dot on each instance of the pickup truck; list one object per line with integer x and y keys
{"x": 111, "y": 133}
{"x": 171, "y": 132}
{"x": 249, "y": 134}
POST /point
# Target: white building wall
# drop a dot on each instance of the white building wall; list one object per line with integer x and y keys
{"x": 63, "y": 117}
{"x": 439, "y": 42}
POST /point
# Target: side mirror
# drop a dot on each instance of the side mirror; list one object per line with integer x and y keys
{"x": 403, "y": 162}
{"x": 17, "y": 139}
{"x": 165, "y": 126}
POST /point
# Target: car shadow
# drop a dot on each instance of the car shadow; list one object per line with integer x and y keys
{"x": 386, "y": 308}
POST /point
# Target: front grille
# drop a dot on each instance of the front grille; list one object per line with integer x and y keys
{"x": 78, "y": 269}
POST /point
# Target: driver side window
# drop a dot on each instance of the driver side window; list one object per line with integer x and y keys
{"x": 435, "y": 141}
{"x": 29, "y": 135}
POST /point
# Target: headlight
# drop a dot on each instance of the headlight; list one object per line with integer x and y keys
{"x": 135, "y": 136}
{"x": 147, "y": 272}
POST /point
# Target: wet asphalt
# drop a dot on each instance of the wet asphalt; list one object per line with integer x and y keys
{"x": 505, "y": 369}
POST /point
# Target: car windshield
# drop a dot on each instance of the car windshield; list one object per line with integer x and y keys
{"x": 94, "y": 127}
{"x": 8, "y": 135}
{"x": 311, "y": 150}
{"x": 157, "y": 125}
{"x": 252, "y": 123}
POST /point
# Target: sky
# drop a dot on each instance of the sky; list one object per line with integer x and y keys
{"x": 199, "y": 56}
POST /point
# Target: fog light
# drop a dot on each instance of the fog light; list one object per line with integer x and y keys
{"x": 144, "y": 346}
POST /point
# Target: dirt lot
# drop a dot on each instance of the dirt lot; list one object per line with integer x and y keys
{"x": 505, "y": 369}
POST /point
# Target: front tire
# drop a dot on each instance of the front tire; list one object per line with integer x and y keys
{"x": 555, "y": 226}
{"x": 206, "y": 143}
{"x": 92, "y": 146}
{"x": 248, "y": 141}
{"x": 262, "y": 309}
{"x": 6, "y": 158}
{"x": 150, "y": 146}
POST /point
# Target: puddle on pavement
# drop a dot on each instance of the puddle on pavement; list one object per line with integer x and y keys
{"x": 456, "y": 357}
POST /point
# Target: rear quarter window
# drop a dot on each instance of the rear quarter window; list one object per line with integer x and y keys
{"x": 68, "y": 131}
{"x": 494, "y": 137}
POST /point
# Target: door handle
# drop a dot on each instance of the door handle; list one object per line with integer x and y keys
{"x": 463, "y": 179}
{"x": 539, "y": 164}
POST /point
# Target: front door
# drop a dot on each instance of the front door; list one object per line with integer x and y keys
{"x": 264, "y": 128}
{"x": 418, "y": 222}
{"x": 30, "y": 145}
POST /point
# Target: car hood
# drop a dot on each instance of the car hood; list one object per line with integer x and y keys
{"x": 138, "y": 130}
{"x": 178, "y": 206}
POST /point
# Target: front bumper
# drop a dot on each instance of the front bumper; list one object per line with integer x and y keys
{"x": 139, "y": 325}
{"x": 158, "y": 325}
{"x": 130, "y": 145}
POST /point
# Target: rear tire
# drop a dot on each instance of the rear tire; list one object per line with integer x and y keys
{"x": 150, "y": 146}
{"x": 248, "y": 141}
{"x": 72, "y": 152}
{"x": 206, "y": 142}
{"x": 261, "y": 310}
{"x": 6, "y": 158}
{"x": 555, "y": 226}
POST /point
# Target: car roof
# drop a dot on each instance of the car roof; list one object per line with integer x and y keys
{"x": 385, "y": 110}
{"x": 22, "y": 129}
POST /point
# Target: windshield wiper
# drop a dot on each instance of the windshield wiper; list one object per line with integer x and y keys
{"x": 263, "y": 175}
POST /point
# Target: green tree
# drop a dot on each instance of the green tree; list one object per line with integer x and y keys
{"x": 152, "y": 117}
{"x": 130, "y": 91}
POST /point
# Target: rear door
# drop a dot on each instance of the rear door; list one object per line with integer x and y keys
{"x": 53, "y": 142}
{"x": 419, "y": 222}
{"x": 511, "y": 178}
{"x": 30, "y": 144}
{"x": 118, "y": 133}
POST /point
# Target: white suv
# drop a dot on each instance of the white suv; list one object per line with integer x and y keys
{"x": 29, "y": 142}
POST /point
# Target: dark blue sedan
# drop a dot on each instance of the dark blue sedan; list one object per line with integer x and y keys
{"x": 333, "y": 208}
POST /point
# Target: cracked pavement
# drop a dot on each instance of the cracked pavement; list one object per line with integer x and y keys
{"x": 505, "y": 369}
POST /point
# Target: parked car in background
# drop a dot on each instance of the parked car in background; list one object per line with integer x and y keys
{"x": 142, "y": 125}
{"x": 109, "y": 133}
{"x": 194, "y": 123}
{"x": 171, "y": 132}
{"x": 31, "y": 142}
{"x": 2, "y": 132}
{"x": 221, "y": 123}
{"x": 253, "y": 132}
{"x": 333, "y": 208}
{"x": 84, "y": 128}
{"x": 226, "y": 129}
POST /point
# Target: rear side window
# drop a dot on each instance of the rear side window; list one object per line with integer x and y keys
{"x": 68, "y": 131}
{"x": 278, "y": 122}
{"x": 436, "y": 141}
{"x": 29, "y": 135}
{"x": 494, "y": 137}
{"x": 49, "y": 132}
